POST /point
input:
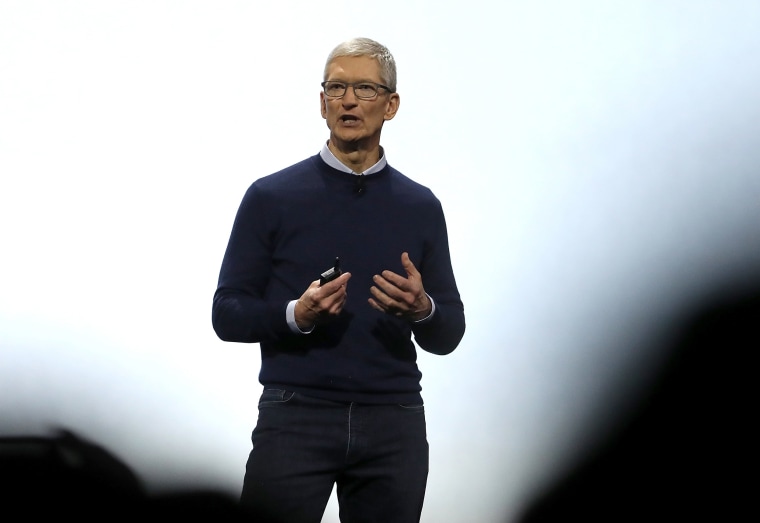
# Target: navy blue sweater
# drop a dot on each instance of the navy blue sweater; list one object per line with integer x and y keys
{"x": 289, "y": 228}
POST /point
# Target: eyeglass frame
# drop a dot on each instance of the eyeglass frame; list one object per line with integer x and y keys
{"x": 353, "y": 86}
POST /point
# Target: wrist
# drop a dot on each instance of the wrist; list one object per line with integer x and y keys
{"x": 425, "y": 312}
{"x": 303, "y": 319}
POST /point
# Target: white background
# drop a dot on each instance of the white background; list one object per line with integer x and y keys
{"x": 597, "y": 163}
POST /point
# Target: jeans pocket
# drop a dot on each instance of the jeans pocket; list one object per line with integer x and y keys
{"x": 271, "y": 397}
{"x": 417, "y": 407}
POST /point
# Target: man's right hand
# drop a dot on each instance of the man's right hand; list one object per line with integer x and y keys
{"x": 320, "y": 304}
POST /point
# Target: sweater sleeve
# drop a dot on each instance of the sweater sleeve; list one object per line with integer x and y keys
{"x": 443, "y": 332}
{"x": 240, "y": 310}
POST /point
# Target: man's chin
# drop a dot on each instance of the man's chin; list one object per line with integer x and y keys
{"x": 350, "y": 135}
{"x": 349, "y": 140}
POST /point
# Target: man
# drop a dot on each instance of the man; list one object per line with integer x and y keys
{"x": 341, "y": 403}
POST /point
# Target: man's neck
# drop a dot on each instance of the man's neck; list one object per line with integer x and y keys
{"x": 357, "y": 159}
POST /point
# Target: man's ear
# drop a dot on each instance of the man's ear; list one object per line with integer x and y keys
{"x": 323, "y": 105}
{"x": 394, "y": 100}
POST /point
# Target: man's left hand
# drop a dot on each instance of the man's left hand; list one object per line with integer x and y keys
{"x": 403, "y": 297}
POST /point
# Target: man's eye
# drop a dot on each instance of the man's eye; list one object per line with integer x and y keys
{"x": 365, "y": 88}
{"x": 336, "y": 87}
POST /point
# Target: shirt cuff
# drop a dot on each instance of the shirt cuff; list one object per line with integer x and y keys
{"x": 290, "y": 316}
{"x": 432, "y": 311}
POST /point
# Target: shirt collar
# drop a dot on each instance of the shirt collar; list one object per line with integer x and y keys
{"x": 331, "y": 160}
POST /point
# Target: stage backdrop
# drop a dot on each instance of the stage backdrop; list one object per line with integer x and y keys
{"x": 597, "y": 163}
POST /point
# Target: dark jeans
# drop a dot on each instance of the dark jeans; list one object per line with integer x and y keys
{"x": 376, "y": 454}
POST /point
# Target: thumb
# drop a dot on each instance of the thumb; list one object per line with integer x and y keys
{"x": 409, "y": 267}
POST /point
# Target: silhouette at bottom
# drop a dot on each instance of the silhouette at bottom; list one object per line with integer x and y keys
{"x": 66, "y": 476}
{"x": 684, "y": 453}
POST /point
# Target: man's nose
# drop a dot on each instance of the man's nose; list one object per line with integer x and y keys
{"x": 349, "y": 97}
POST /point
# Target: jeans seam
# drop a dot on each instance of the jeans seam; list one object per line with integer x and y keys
{"x": 348, "y": 443}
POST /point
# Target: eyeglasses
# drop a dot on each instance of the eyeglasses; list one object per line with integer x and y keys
{"x": 362, "y": 90}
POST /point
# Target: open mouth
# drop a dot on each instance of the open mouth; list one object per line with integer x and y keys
{"x": 348, "y": 118}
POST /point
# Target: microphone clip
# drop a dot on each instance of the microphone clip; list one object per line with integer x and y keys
{"x": 359, "y": 184}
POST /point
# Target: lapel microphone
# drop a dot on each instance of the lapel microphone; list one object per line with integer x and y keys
{"x": 359, "y": 184}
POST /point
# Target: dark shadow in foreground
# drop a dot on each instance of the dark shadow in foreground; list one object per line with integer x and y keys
{"x": 67, "y": 476}
{"x": 684, "y": 453}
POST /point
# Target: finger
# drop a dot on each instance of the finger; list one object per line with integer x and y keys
{"x": 334, "y": 285}
{"x": 409, "y": 267}
{"x": 330, "y": 309}
{"x": 388, "y": 304}
{"x": 385, "y": 309}
{"x": 399, "y": 297}
{"x": 336, "y": 299}
{"x": 337, "y": 307}
{"x": 394, "y": 279}
{"x": 375, "y": 305}
{"x": 380, "y": 296}
{"x": 386, "y": 290}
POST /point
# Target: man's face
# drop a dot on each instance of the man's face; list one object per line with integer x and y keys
{"x": 349, "y": 118}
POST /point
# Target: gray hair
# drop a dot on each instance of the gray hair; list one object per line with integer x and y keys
{"x": 367, "y": 47}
